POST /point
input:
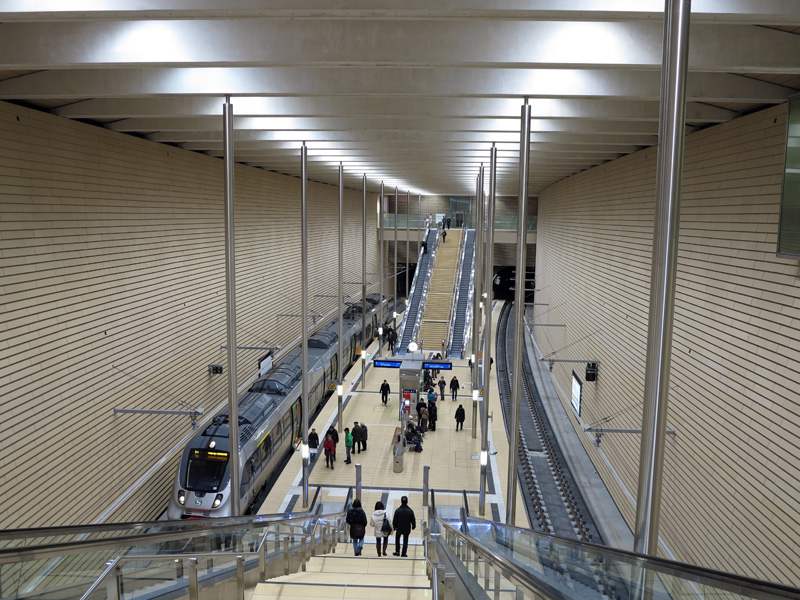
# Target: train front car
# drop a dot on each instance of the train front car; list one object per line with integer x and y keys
{"x": 202, "y": 486}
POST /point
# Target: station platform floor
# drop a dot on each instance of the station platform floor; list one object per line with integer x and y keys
{"x": 453, "y": 456}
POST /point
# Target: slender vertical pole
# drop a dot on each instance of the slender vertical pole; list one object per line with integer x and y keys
{"x": 381, "y": 318}
{"x": 408, "y": 241}
{"x": 394, "y": 279}
{"x": 364, "y": 340}
{"x": 662, "y": 279}
{"x": 304, "y": 317}
{"x": 230, "y": 307}
{"x": 419, "y": 218}
{"x": 519, "y": 312}
{"x": 340, "y": 320}
{"x": 488, "y": 276}
{"x": 476, "y": 299}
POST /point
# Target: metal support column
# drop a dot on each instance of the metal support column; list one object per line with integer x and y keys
{"x": 394, "y": 278}
{"x": 519, "y": 314}
{"x": 476, "y": 300}
{"x": 488, "y": 276}
{"x": 662, "y": 279}
{"x": 408, "y": 241}
{"x": 364, "y": 340}
{"x": 419, "y": 219}
{"x": 305, "y": 389}
{"x": 340, "y": 366}
{"x": 381, "y": 316}
{"x": 358, "y": 481}
{"x": 230, "y": 306}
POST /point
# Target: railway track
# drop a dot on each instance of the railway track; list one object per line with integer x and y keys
{"x": 552, "y": 498}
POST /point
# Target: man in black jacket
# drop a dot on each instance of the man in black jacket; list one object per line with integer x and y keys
{"x": 313, "y": 444}
{"x": 385, "y": 391}
{"x": 403, "y": 522}
{"x": 358, "y": 437}
{"x": 454, "y": 385}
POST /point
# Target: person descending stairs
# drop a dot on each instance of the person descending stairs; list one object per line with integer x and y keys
{"x": 438, "y": 306}
{"x": 342, "y": 575}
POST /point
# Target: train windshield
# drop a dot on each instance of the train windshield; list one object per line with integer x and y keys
{"x": 205, "y": 470}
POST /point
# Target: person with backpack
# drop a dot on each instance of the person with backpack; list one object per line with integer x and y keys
{"x": 383, "y": 528}
{"x": 357, "y": 519}
{"x": 433, "y": 414}
{"x": 335, "y": 437}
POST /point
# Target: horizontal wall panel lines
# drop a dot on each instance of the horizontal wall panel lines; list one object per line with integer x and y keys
{"x": 733, "y": 468}
{"x": 113, "y": 289}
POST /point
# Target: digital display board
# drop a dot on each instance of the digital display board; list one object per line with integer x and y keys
{"x": 388, "y": 364}
{"x": 440, "y": 366}
{"x": 209, "y": 454}
{"x": 576, "y": 393}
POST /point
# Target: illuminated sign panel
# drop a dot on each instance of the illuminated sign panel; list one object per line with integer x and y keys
{"x": 209, "y": 454}
{"x": 440, "y": 366}
{"x": 388, "y": 364}
{"x": 576, "y": 393}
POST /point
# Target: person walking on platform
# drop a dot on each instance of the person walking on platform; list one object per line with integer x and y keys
{"x": 335, "y": 437}
{"x": 357, "y": 519}
{"x": 460, "y": 416}
{"x": 348, "y": 445}
{"x": 444, "y": 236}
{"x": 391, "y": 338}
{"x": 380, "y": 522}
{"x": 442, "y": 385}
{"x": 364, "y": 437}
{"x": 385, "y": 391}
{"x": 330, "y": 451}
{"x": 403, "y": 522}
{"x": 454, "y": 385}
{"x": 448, "y": 222}
{"x": 358, "y": 436}
{"x": 313, "y": 444}
{"x": 433, "y": 414}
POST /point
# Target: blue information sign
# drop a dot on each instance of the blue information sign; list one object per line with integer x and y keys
{"x": 440, "y": 366}
{"x": 388, "y": 364}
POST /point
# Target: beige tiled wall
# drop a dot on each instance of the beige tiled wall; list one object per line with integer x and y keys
{"x": 731, "y": 481}
{"x": 113, "y": 291}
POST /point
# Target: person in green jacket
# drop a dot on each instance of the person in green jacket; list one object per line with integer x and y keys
{"x": 348, "y": 444}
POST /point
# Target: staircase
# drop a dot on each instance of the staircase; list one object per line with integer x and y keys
{"x": 463, "y": 297}
{"x": 342, "y": 575}
{"x": 435, "y": 325}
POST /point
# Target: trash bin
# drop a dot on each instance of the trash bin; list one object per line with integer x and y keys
{"x": 397, "y": 466}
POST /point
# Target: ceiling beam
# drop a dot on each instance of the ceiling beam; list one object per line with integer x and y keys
{"x": 368, "y": 81}
{"x": 390, "y": 42}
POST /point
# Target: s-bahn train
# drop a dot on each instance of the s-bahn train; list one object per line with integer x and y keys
{"x": 269, "y": 421}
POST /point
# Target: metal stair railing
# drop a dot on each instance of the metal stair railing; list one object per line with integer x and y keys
{"x": 460, "y": 296}
{"x": 453, "y": 293}
{"x": 418, "y": 294}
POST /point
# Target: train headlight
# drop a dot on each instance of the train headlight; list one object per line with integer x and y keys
{"x": 217, "y": 501}
{"x": 181, "y": 497}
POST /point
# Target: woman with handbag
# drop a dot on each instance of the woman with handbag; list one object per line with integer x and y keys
{"x": 382, "y": 527}
{"x": 357, "y": 519}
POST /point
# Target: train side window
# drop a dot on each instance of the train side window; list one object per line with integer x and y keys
{"x": 264, "y": 450}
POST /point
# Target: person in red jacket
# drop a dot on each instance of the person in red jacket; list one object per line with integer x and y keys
{"x": 330, "y": 451}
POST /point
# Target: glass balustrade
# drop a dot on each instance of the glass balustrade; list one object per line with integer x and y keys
{"x": 501, "y": 222}
{"x": 151, "y": 559}
{"x": 504, "y": 561}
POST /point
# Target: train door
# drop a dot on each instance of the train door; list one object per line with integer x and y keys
{"x": 374, "y": 326}
{"x": 334, "y": 368}
{"x": 353, "y": 346}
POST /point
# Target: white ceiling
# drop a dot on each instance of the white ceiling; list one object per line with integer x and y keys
{"x": 413, "y": 93}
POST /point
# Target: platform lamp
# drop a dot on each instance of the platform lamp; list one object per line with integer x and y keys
{"x": 380, "y": 339}
{"x": 363, "y": 368}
